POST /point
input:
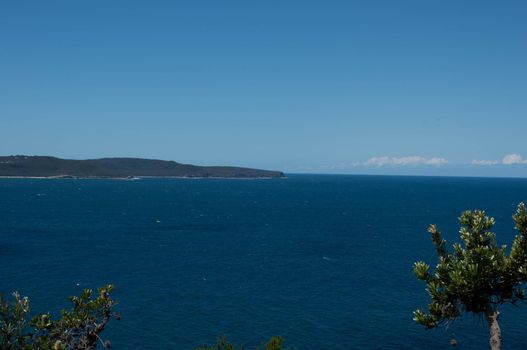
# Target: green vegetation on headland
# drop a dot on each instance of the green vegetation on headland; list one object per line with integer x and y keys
{"x": 43, "y": 166}
{"x": 275, "y": 343}
{"x": 478, "y": 276}
{"x": 77, "y": 329}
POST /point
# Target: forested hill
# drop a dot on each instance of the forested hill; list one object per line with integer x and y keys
{"x": 43, "y": 166}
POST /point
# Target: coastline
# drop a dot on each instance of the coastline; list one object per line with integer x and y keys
{"x": 48, "y": 167}
{"x": 135, "y": 178}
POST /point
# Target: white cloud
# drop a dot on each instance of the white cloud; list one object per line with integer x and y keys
{"x": 484, "y": 162}
{"x": 402, "y": 161}
{"x": 508, "y": 159}
{"x": 513, "y": 159}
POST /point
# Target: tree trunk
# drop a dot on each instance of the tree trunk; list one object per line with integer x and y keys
{"x": 494, "y": 328}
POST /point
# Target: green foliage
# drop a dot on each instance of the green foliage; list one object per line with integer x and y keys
{"x": 478, "y": 275}
{"x": 13, "y": 322}
{"x": 275, "y": 343}
{"x": 77, "y": 329}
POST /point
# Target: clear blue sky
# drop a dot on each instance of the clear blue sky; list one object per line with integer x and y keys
{"x": 417, "y": 87}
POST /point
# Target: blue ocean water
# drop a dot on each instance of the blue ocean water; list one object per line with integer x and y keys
{"x": 324, "y": 261}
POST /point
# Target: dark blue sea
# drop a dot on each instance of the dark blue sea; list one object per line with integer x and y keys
{"x": 324, "y": 261}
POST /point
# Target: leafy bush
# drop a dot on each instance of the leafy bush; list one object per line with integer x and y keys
{"x": 77, "y": 329}
{"x": 478, "y": 276}
{"x": 275, "y": 343}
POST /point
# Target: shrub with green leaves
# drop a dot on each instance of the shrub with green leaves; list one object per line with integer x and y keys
{"x": 275, "y": 343}
{"x": 13, "y": 322}
{"x": 76, "y": 329}
{"x": 477, "y": 276}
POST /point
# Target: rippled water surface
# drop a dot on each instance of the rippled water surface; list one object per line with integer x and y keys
{"x": 324, "y": 261}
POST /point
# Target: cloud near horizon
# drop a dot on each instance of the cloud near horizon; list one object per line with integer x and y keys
{"x": 404, "y": 161}
{"x": 484, "y": 162}
{"x": 513, "y": 159}
{"x": 508, "y": 159}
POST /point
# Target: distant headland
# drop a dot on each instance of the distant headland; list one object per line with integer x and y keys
{"x": 52, "y": 167}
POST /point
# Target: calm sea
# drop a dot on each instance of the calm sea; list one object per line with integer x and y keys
{"x": 324, "y": 261}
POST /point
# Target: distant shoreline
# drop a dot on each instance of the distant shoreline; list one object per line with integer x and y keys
{"x": 46, "y": 167}
{"x": 135, "y": 178}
